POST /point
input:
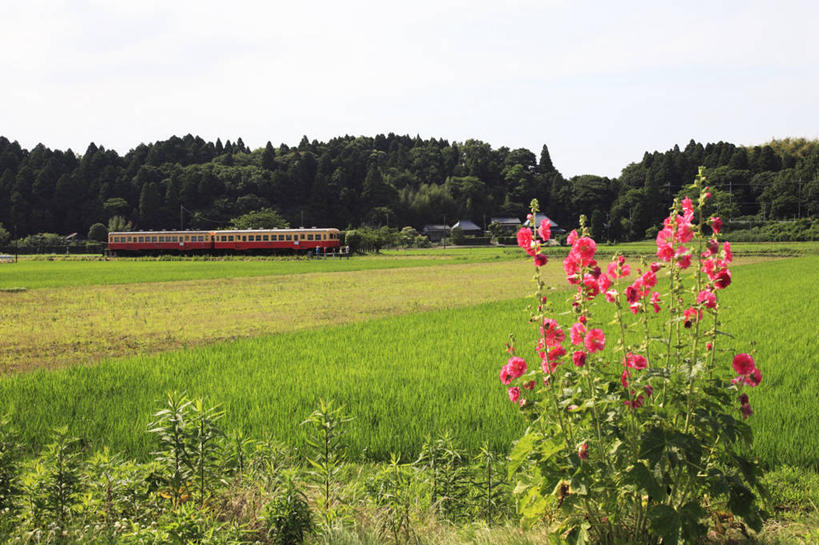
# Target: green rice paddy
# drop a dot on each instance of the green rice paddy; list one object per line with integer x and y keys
{"x": 405, "y": 377}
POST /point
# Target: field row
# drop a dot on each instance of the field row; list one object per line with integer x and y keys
{"x": 407, "y": 376}
{"x": 61, "y": 271}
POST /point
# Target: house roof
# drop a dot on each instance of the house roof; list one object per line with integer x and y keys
{"x": 428, "y": 228}
{"x": 505, "y": 221}
{"x": 466, "y": 225}
{"x": 540, "y": 217}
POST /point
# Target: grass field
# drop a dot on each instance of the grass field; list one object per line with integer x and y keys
{"x": 36, "y": 272}
{"x": 406, "y": 376}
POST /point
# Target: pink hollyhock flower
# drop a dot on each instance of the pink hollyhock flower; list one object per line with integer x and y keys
{"x": 591, "y": 286}
{"x": 683, "y": 257}
{"x": 612, "y": 269}
{"x": 665, "y": 252}
{"x": 571, "y": 268}
{"x": 649, "y": 279}
{"x": 530, "y": 385}
{"x": 571, "y": 238}
{"x": 549, "y": 366}
{"x": 595, "y": 341}
{"x": 743, "y": 364}
{"x": 579, "y": 358}
{"x": 514, "y": 394}
{"x": 692, "y": 315}
{"x": 753, "y": 378}
{"x": 684, "y": 232}
{"x": 632, "y": 294}
{"x": 585, "y": 248}
{"x": 577, "y": 333}
{"x": 656, "y": 267}
{"x": 625, "y": 377}
{"x": 716, "y": 225}
{"x": 635, "y": 361}
{"x": 726, "y": 247}
{"x": 604, "y": 282}
{"x": 712, "y": 247}
{"x": 552, "y": 333}
{"x": 635, "y": 403}
{"x": 582, "y": 319}
{"x": 635, "y": 307}
{"x": 505, "y": 375}
{"x": 611, "y": 296}
{"x": 688, "y": 206}
{"x": 649, "y": 390}
{"x": 545, "y": 230}
{"x": 556, "y": 353}
{"x": 743, "y": 399}
{"x": 722, "y": 279}
{"x": 540, "y": 260}
{"x": 525, "y": 240}
{"x": 746, "y": 411}
{"x": 583, "y": 451}
{"x": 655, "y": 301}
{"x": 709, "y": 346}
{"x": 707, "y": 298}
{"x": 516, "y": 366}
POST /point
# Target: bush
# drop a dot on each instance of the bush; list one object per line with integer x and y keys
{"x": 457, "y": 236}
{"x": 98, "y": 232}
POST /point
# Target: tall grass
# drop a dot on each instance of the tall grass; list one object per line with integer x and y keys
{"x": 408, "y": 376}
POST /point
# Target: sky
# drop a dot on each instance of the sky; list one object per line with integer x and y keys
{"x": 600, "y": 82}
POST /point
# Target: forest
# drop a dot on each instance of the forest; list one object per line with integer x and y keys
{"x": 389, "y": 180}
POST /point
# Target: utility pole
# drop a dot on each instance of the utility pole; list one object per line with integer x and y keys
{"x": 302, "y": 219}
{"x": 181, "y": 218}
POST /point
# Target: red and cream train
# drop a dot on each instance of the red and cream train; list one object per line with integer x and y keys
{"x": 253, "y": 241}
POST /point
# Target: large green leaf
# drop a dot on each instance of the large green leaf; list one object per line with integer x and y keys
{"x": 645, "y": 480}
{"x": 665, "y": 522}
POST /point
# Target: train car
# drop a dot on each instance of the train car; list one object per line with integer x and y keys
{"x": 252, "y": 241}
{"x": 145, "y": 242}
{"x": 264, "y": 240}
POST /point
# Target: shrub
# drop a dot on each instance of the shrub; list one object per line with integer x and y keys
{"x": 635, "y": 433}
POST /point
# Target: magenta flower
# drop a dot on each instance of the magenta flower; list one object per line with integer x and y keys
{"x": 716, "y": 225}
{"x": 655, "y": 301}
{"x": 525, "y": 240}
{"x": 635, "y": 361}
{"x": 514, "y": 394}
{"x": 743, "y": 364}
{"x": 722, "y": 279}
{"x": 583, "y": 451}
{"x": 726, "y": 247}
{"x": 540, "y": 260}
{"x": 577, "y": 333}
{"x": 579, "y": 358}
{"x": 505, "y": 375}
{"x": 604, "y": 282}
{"x": 516, "y": 366}
{"x": 585, "y": 247}
{"x": 530, "y": 385}
{"x": 595, "y": 341}
{"x": 571, "y": 238}
{"x": 545, "y": 230}
{"x": 692, "y": 315}
{"x": 552, "y": 333}
{"x": 707, "y": 298}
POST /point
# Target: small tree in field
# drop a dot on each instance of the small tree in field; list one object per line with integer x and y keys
{"x": 98, "y": 232}
{"x": 637, "y": 422}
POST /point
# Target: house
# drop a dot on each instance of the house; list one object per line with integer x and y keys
{"x": 556, "y": 229}
{"x": 469, "y": 228}
{"x": 507, "y": 225}
{"x": 435, "y": 233}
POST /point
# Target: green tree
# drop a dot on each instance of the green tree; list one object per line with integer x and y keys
{"x": 269, "y": 157}
{"x": 98, "y": 232}
{"x": 149, "y": 205}
{"x": 265, "y": 218}
{"x": 4, "y": 235}
{"x": 118, "y": 224}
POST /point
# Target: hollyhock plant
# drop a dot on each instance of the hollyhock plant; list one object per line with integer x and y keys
{"x": 623, "y": 434}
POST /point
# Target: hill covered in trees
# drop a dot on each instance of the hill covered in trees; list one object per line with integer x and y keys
{"x": 386, "y": 179}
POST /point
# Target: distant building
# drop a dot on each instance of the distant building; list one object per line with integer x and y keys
{"x": 556, "y": 229}
{"x": 435, "y": 233}
{"x": 507, "y": 225}
{"x": 469, "y": 228}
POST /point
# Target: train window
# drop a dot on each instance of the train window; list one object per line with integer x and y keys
{"x": 265, "y": 238}
{"x": 153, "y": 239}
{"x": 258, "y": 238}
{"x": 161, "y": 239}
{"x": 230, "y": 238}
{"x": 310, "y": 237}
{"x": 288, "y": 237}
{"x": 142, "y": 239}
{"x": 201, "y": 238}
{"x": 281, "y": 237}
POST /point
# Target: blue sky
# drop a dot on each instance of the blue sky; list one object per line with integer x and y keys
{"x": 598, "y": 82}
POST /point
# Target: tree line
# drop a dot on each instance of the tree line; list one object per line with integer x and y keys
{"x": 395, "y": 180}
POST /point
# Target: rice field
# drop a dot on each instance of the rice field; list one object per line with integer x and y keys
{"x": 405, "y": 376}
